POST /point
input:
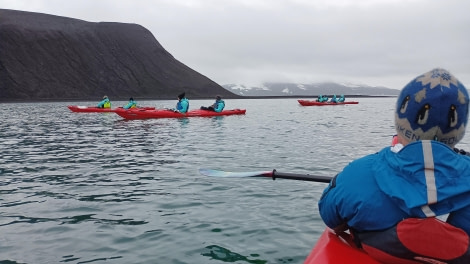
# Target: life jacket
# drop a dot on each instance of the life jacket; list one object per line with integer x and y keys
{"x": 133, "y": 104}
{"x": 107, "y": 104}
{"x": 417, "y": 241}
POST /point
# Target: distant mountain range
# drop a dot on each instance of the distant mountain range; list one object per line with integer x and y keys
{"x": 296, "y": 89}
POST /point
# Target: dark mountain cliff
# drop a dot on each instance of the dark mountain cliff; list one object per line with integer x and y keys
{"x": 47, "y": 57}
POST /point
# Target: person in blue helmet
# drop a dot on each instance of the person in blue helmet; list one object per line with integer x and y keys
{"x": 410, "y": 203}
{"x": 217, "y": 106}
{"x": 183, "y": 104}
{"x": 130, "y": 104}
{"x": 105, "y": 103}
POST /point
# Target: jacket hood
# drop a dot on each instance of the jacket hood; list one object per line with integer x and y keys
{"x": 424, "y": 173}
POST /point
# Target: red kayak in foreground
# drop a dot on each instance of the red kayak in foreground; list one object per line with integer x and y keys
{"x": 337, "y": 249}
{"x": 310, "y": 103}
{"x": 164, "y": 113}
{"x": 94, "y": 109}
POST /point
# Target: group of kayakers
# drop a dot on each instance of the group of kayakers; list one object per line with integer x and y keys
{"x": 182, "y": 106}
{"x": 334, "y": 99}
{"x": 106, "y": 103}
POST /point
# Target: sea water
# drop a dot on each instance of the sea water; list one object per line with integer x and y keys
{"x": 95, "y": 188}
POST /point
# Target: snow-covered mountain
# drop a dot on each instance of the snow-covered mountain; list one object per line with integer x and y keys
{"x": 295, "y": 89}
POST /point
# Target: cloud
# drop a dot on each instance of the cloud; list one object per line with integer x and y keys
{"x": 375, "y": 42}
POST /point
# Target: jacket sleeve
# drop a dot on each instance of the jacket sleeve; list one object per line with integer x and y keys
{"x": 328, "y": 206}
{"x": 349, "y": 197}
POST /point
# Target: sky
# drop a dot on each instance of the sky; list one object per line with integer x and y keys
{"x": 369, "y": 42}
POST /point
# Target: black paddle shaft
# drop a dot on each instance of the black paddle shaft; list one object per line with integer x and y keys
{"x": 302, "y": 177}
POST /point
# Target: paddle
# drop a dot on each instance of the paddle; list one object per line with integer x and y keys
{"x": 271, "y": 174}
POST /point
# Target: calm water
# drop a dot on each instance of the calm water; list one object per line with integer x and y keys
{"x": 94, "y": 188}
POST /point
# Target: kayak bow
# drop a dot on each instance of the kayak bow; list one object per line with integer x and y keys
{"x": 94, "y": 109}
{"x": 337, "y": 249}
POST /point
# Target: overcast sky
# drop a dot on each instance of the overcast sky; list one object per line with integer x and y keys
{"x": 374, "y": 42}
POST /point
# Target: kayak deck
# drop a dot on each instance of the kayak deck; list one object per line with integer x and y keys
{"x": 337, "y": 249}
{"x": 312, "y": 103}
{"x": 165, "y": 113}
{"x": 94, "y": 109}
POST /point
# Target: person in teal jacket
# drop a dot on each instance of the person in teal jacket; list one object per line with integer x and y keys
{"x": 322, "y": 98}
{"x": 217, "y": 106}
{"x": 130, "y": 104}
{"x": 183, "y": 104}
{"x": 411, "y": 201}
{"x": 334, "y": 99}
{"x": 105, "y": 103}
{"x": 341, "y": 99}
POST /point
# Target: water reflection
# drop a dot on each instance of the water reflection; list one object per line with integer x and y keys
{"x": 225, "y": 255}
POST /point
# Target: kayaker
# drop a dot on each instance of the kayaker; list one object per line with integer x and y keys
{"x": 182, "y": 105}
{"x": 217, "y": 106}
{"x": 322, "y": 98}
{"x": 105, "y": 103}
{"x": 130, "y": 104}
{"x": 333, "y": 99}
{"x": 411, "y": 202}
{"x": 341, "y": 99}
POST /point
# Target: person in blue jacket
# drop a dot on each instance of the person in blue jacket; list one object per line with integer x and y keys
{"x": 334, "y": 99}
{"x": 182, "y": 105}
{"x": 411, "y": 201}
{"x": 341, "y": 99}
{"x": 217, "y": 106}
{"x": 322, "y": 98}
{"x": 105, "y": 103}
{"x": 130, "y": 104}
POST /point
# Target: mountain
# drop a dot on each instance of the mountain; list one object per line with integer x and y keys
{"x": 47, "y": 57}
{"x": 294, "y": 89}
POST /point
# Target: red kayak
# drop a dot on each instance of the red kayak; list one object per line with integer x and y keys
{"x": 94, "y": 109}
{"x": 165, "y": 113}
{"x": 337, "y": 249}
{"x": 310, "y": 103}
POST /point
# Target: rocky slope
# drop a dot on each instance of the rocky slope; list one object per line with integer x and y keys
{"x": 47, "y": 57}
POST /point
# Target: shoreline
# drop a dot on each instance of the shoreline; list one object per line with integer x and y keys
{"x": 313, "y": 97}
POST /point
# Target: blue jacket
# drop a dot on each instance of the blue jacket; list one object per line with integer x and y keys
{"x": 219, "y": 105}
{"x": 182, "y": 105}
{"x": 379, "y": 190}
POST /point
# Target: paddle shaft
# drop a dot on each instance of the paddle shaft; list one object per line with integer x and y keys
{"x": 302, "y": 177}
